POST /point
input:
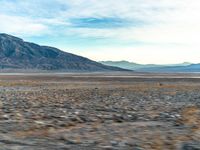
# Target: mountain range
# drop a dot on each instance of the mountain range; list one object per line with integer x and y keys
{"x": 182, "y": 67}
{"x": 17, "y": 54}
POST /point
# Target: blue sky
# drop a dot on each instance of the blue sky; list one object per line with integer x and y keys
{"x": 143, "y": 31}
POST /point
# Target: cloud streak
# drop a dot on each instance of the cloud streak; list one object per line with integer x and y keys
{"x": 101, "y": 23}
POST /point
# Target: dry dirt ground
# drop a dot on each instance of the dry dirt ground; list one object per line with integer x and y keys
{"x": 100, "y": 112}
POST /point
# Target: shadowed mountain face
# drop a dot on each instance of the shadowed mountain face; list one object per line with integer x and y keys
{"x": 17, "y": 54}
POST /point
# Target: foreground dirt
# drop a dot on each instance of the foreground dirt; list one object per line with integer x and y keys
{"x": 49, "y": 112}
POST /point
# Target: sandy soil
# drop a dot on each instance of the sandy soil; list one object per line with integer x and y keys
{"x": 99, "y": 111}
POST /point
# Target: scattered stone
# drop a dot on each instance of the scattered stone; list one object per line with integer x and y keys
{"x": 191, "y": 146}
{"x": 54, "y": 112}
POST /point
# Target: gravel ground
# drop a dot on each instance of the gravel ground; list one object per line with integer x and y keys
{"x": 61, "y": 112}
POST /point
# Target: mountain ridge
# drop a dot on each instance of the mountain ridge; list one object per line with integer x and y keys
{"x": 15, "y": 53}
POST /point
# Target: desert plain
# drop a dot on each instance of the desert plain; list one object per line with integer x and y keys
{"x": 99, "y": 111}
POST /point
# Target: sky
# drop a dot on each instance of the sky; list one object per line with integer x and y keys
{"x": 142, "y": 31}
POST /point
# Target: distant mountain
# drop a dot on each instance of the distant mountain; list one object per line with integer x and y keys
{"x": 136, "y": 66}
{"x": 188, "y": 68}
{"x": 183, "y": 67}
{"x": 128, "y": 65}
{"x": 182, "y": 64}
{"x": 18, "y": 54}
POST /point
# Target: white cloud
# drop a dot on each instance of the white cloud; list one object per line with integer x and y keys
{"x": 21, "y": 26}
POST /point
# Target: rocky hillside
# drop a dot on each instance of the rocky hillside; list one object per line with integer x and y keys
{"x": 18, "y": 54}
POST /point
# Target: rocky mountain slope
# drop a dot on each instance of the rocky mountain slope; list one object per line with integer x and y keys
{"x": 18, "y": 54}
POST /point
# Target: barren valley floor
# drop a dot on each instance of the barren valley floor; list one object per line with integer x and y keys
{"x": 100, "y": 112}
